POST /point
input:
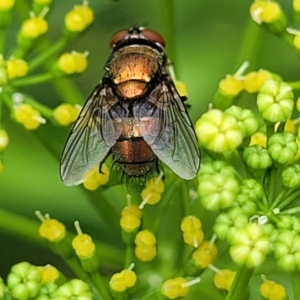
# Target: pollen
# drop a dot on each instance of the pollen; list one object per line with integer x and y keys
{"x": 16, "y": 68}
{"x": 65, "y": 114}
{"x": 28, "y": 116}
{"x": 52, "y": 230}
{"x": 93, "y": 179}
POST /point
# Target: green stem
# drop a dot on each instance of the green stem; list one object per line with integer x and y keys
{"x": 101, "y": 285}
{"x": 288, "y": 200}
{"x": 240, "y": 285}
{"x": 296, "y": 285}
{"x": 33, "y": 80}
{"x": 51, "y": 50}
{"x": 3, "y": 34}
{"x": 295, "y": 85}
{"x": 68, "y": 91}
{"x": 129, "y": 255}
{"x": 279, "y": 198}
{"x": 168, "y": 24}
{"x": 249, "y": 46}
{"x": 272, "y": 187}
{"x": 43, "y": 109}
{"x": 291, "y": 211}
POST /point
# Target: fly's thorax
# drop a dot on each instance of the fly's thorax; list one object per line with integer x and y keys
{"x": 132, "y": 68}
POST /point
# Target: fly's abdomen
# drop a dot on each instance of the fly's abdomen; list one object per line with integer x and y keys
{"x": 134, "y": 156}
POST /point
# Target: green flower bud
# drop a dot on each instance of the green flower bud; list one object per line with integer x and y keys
{"x": 250, "y": 245}
{"x": 24, "y": 281}
{"x": 217, "y": 191}
{"x": 227, "y": 223}
{"x": 291, "y": 176}
{"x": 251, "y": 190}
{"x": 290, "y": 223}
{"x": 282, "y": 147}
{"x": 275, "y": 101}
{"x": 218, "y": 132}
{"x": 75, "y": 289}
{"x": 209, "y": 168}
{"x": 287, "y": 251}
{"x": 47, "y": 291}
{"x": 257, "y": 157}
{"x": 245, "y": 118}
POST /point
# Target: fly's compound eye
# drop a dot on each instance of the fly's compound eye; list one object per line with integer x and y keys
{"x": 153, "y": 36}
{"x": 117, "y": 37}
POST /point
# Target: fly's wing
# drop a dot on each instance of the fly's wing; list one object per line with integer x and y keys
{"x": 93, "y": 134}
{"x": 167, "y": 128}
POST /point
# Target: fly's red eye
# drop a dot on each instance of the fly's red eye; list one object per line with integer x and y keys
{"x": 117, "y": 37}
{"x": 154, "y": 36}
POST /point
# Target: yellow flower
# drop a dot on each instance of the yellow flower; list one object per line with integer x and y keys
{"x": 231, "y": 85}
{"x": 253, "y": 81}
{"x": 73, "y": 62}
{"x": 16, "y": 68}
{"x": 65, "y": 114}
{"x": 28, "y": 116}
{"x": 52, "y": 230}
{"x": 175, "y": 288}
{"x": 122, "y": 281}
{"x": 34, "y": 27}
{"x": 83, "y": 245}
{"x": 4, "y": 140}
{"x": 93, "y": 179}
{"x": 79, "y": 18}
{"x": 6, "y": 5}
{"x": 49, "y": 273}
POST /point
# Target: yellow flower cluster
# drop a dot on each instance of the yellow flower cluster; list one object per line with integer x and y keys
{"x": 192, "y": 233}
{"x": 93, "y": 179}
{"x": 145, "y": 242}
{"x": 232, "y": 85}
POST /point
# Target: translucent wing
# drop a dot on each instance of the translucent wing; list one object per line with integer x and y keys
{"x": 93, "y": 134}
{"x": 167, "y": 128}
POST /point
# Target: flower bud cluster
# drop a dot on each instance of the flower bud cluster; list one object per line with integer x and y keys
{"x": 26, "y": 281}
{"x": 22, "y": 68}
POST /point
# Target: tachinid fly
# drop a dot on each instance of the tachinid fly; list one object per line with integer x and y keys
{"x": 134, "y": 114}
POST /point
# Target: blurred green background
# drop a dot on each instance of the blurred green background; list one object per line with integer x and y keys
{"x": 208, "y": 36}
